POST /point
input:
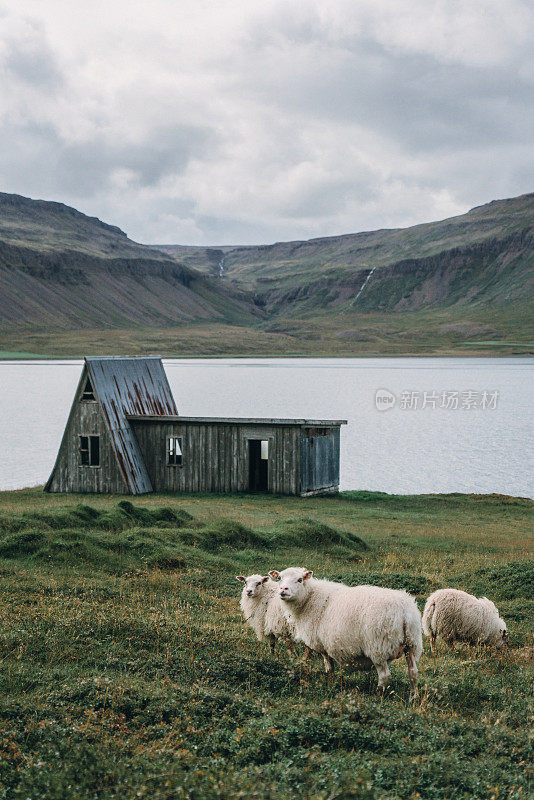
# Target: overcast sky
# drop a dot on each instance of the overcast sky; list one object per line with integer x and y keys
{"x": 252, "y": 121}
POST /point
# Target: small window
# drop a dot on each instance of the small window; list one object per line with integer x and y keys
{"x": 84, "y": 450}
{"x": 174, "y": 451}
{"x": 90, "y": 451}
{"x": 94, "y": 451}
{"x": 264, "y": 450}
{"x": 88, "y": 393}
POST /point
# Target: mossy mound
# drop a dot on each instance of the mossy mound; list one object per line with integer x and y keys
{"x": 127, "y": 533}
{"x": 119, "y": 517}
{"x": 307, "y": 532}
{"x": 114, "y": 551}
{"x": 228, "y": 533}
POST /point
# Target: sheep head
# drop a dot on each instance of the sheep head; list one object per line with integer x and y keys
{"x": 253, "y": 584}
{"x": 294, "y": 584}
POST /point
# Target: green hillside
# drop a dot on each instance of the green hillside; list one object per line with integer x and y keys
{"x": 72, "y": 284}
{"x": 52, "y": 227}
{"x": 61, "y": 270}
{"x": 292, "y": 263}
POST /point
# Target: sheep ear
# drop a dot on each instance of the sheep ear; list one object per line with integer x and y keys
{"x": 274, "y": 575}
{"x": 307, "y": 574}
{"x": 265, "y": 579}
{"x": 241, "y": 578}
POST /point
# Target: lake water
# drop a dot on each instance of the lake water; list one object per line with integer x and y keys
{"x": 442, "y": 425}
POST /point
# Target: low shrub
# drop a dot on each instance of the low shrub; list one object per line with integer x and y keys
{"x": 125, "y": 515}
{"x": 167, "y": 561}
{"x": 366, "y": 497}
{"x": 401, "y": 502}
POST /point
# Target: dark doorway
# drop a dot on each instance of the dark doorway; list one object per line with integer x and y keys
{"x": 258, "y": 465}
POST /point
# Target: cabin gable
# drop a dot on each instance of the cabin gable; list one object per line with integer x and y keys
{"x": 70, "y": 473}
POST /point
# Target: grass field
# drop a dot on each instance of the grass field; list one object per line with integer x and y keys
{"x": 128, "y": 672}
{"x": 434, "y": 332}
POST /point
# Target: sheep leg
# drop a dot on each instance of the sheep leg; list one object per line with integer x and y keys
{"x": 328, "y": 666}
{"x": 272, "y": 644}
{"x": 433, "y": 642}
{"x": 306, "y": 657}
{"x": 383, "y": 675}
{"x": 412, "y": 672}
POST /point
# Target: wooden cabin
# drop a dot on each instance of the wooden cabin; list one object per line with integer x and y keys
{"x": 124, "y": 436}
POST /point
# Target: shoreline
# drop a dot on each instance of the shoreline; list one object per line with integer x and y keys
{"x": 349, "y": 495}
{"x": 7, "y": 358}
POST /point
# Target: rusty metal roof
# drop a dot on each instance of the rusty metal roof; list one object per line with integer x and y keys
{"x": 126, "y": 387}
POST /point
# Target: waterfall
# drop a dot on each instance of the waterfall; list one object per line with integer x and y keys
{"x": 364, "y": 284}
{"x": 220, "y": 266}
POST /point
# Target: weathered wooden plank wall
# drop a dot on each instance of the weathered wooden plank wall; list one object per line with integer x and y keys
{"x": 69, "y": 474}
{"x": 216, "y": 456}
{"x": 319, "y": 460}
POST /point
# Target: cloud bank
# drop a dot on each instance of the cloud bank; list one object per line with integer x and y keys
{"x": 193, "y": 122}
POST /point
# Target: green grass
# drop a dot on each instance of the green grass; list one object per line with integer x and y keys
{"x": 10, "y": 354}
{"x": 127, "y": 670}
{"x": 431, "y": 332}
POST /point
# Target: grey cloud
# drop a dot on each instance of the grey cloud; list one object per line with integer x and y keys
{"x": 287, "y": 94}
{"x": 29, "y": 59}
{"x": 320, "y": 201}
{"x": 33, "y": 66}
{"x": 415, "y": 100}
{"x": 28, "y": 159}
{"x": 164, "y": 152}
{"x": 82, "y": 169}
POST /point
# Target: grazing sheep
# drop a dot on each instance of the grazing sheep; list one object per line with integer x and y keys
{"x": 362, "y": 626}
{"x": 455, "y": 615}
{"x": 261, "y": 606}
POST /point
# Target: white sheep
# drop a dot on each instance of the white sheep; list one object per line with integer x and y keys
{"x": 455, "y": 615}
{"x": 262, "y": 609}
{"x": 361, "y": 626}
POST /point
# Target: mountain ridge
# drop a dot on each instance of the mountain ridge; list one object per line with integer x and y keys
{"x": 252, "y": 266}
{"x": 73, "y": 284}
{"x": 61, "y": 268}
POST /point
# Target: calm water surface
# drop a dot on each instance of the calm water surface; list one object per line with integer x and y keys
{"x": 462, "y": 440}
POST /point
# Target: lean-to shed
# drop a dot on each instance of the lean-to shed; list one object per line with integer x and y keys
{"x": 124, "y": 436}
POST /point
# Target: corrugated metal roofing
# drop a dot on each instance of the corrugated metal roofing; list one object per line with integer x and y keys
{"x": 124, "y": 387}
